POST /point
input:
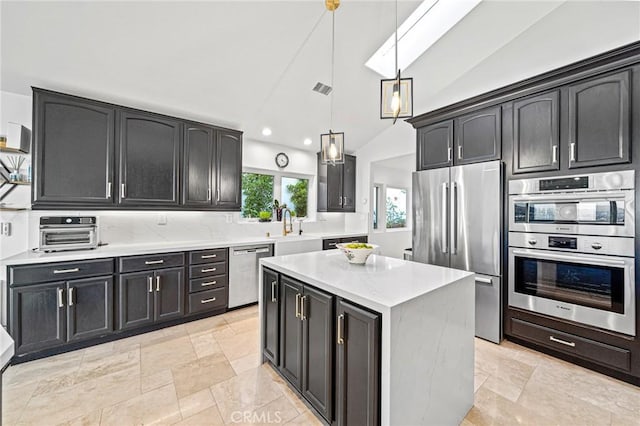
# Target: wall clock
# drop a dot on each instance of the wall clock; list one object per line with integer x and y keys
{"x": 282, "y": 160}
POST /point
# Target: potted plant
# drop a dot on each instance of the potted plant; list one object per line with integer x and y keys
{"x": 264, "y": 216}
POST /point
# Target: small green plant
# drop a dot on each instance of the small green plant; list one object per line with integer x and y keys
{"x": 264, "y": 216}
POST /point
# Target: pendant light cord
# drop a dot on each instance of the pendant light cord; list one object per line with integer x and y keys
{"x": 333, "y": 48}
{"x": 396, "y": 35}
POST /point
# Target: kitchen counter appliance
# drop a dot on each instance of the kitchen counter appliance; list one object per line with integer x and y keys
{"x": 457, "y": 224}
{"x": 583, "y": 268}
{"x": 59, "y": 233}
{"x": 243, "y": 273}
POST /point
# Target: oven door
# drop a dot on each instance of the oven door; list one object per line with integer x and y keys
{"x": 610, "y": 213}
{"x": 588, "y": 289}
{"x": 69, "y": 238}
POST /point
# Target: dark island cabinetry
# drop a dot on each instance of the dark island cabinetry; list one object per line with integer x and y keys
{"x": 337, "y": 186}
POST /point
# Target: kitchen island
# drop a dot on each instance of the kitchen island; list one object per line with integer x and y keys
{"x": 390, "y": 342}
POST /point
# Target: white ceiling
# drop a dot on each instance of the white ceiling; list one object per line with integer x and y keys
{"x": 245, "y": 64}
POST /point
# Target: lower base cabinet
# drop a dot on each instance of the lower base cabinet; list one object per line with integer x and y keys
{"x": 326, "y": 347}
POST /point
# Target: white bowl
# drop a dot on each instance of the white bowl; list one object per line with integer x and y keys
{"x": 358, "y": 256}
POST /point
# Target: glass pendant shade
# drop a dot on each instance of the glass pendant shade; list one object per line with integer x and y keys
{"x": 332, "y": 148}
{"x": 396, "y": 98}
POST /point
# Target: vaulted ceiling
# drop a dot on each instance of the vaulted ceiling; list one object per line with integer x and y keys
{"x": 250, "y": 64}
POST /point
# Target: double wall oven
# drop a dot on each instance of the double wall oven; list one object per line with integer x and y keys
{"x": 571, "y": 248}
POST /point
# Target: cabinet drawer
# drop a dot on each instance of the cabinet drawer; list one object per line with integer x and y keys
{"x": 358, "y": 239}
{"x": 330, "y": 244}
{"x": 588, "y": 349}
{"x": 207, "y": 256}
{"x": 150, "y": 261}
{"x": 62, "y": 271}
{"x": 208, "y": 300}
{"x": 208, "y": 283}
{"x": 207, "y": 269}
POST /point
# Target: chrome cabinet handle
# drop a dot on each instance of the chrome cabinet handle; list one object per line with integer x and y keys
{"x": 208, "y": 270}
{"x": 449, "y": 153}
{"x": 209, "y": 194}
{"x": 158, "y": 283}
{"x": 60, "y": 298}
{"x": 454, "y": 220}
{"x": 297, "y": 305}
{"x": 533, "y": 242}
{"x": 150, "y": 280}
{"x": 459, "y": 152}
{"x": 208, "y": 283}
{"x": 562, "y": 342}
{"x": 596, "y": 246}
{"x": 70, "y": 296}
{"x": 208, "y": 256}
{"x": 154, "y": 262}
{"x": 554, "y": 154}
{"x": 273, "y": 291}
{"x": 203, "y": 301}
{"x": 445, "y": 216}
{"x": 572, "y": 152}
{"x": 109, "y": 188}
{"x": 65, "y": 271}
{"x": 483, "y": 280}
{"x": 340, "y": 332}
{"x": 302, "y": 302}
{"x": 123, "y": 190}
{"x": 340, "y": 200}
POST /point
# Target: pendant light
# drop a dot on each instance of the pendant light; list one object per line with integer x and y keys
{"x": 332, "y": 143}
{"x": 396, "y": 94}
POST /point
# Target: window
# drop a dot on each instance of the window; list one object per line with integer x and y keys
{"x": 257, "y": 194}
{"x": 396, "y": 208}
{"x": 295, "y": 194}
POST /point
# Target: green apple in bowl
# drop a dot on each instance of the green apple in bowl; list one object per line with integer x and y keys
{"x": 357, "y": 253}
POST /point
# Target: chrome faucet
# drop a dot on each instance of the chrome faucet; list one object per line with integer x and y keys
{"x": 284, "y": 222}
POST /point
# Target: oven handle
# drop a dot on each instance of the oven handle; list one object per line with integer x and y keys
{"x": 577, "y": 196}
{"x": 597, "y": 260}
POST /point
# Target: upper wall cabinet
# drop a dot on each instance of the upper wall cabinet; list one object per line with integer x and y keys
{"x": 536, "y": 136}
{"x": 149, "y": 160}
{"x": 93, "y": 155}
{"x": 479, "y": 136}
{"x": 599, "y": 120}
{"x": 337, "y": 186}
{"x": 73, "y": 161}
{"x": 435, "y": 145}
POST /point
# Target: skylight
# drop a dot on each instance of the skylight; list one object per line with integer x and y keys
{"x": 423, "y": 28}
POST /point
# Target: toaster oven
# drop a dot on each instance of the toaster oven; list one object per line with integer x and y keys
{"x": 58, "y": 233}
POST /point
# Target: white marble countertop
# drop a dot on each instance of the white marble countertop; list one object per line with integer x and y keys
{"x": 115, "y": 250}
{"x": 380, "y": 284}
{"x": 6, "y": 347}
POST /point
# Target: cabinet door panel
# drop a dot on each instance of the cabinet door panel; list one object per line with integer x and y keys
{"x": 536, "y": 134}
{"x": 322, "y": 186}
{"x": 90, "y": 308}
{"x": 435, "y": 145}
{"x": 228, "y": 170}
{"x": 38, "y": 316}
{"x": 271, "y": 319}
{"x": 317, "y": 347}
{"x": 358, "y": 367}
{"x": 599, "y": 111}
{"x": 479, "y": 136}
{"x": 334, "y": 187}
{"x": 135, "y": 299}
{"x": 169, "y": 294}
{"x": 290, "y": 332}
{"x": 149, "y": 160}
{"x": 349, "y": 184}
{"x": 73, "y": 150}
{"x": 198, "y": 156}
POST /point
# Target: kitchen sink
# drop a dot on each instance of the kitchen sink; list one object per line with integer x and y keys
{"x": 292, "y": 244}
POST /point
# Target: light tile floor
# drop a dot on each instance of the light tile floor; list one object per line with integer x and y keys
{"x": 208, "y": 373}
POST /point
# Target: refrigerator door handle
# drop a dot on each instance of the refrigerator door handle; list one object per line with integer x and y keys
{"x": 445, "y": 216}
{"x": 454, "y": 219}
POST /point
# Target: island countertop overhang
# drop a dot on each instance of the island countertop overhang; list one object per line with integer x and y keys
{"x": 381, "y": 284}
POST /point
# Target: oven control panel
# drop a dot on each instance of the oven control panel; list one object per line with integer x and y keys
{"x": 614, "y": 246}
{"x": 563, "y": 242}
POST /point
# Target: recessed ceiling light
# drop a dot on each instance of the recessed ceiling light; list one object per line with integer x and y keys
{"x": 266, "y": 131}
{"x": 422, "y": 29}
{"x": 308, "y": 141}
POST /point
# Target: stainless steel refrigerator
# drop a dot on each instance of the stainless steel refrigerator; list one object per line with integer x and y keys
{"x": 457, "y": 223}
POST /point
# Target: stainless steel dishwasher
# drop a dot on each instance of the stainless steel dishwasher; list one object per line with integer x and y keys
{"x": 243, "y": 273}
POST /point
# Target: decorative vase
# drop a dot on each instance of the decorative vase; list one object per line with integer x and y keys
{"x": 279, "y": 215}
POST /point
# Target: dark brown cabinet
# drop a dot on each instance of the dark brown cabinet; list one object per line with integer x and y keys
{"x": 271, "y": 316}
{"x": 48, "y": 315}
{"x": 478, "y": 136}
{"x": 198, "y": 165}
{"x": 74, "y": 151}
{"x": 357, "y": 365}
{"x": 599, "y": 112}
{"x": 337, "y": 186}
{"x": 149, "y": 159}
{"x": 536, "y": 133}
{"x": 306, "y": 342}
{"x": 150, "y": 296}
{"x": 435, "y": 145}
{"x": 208, "y": 281}
{"x": 228, "y": 170}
